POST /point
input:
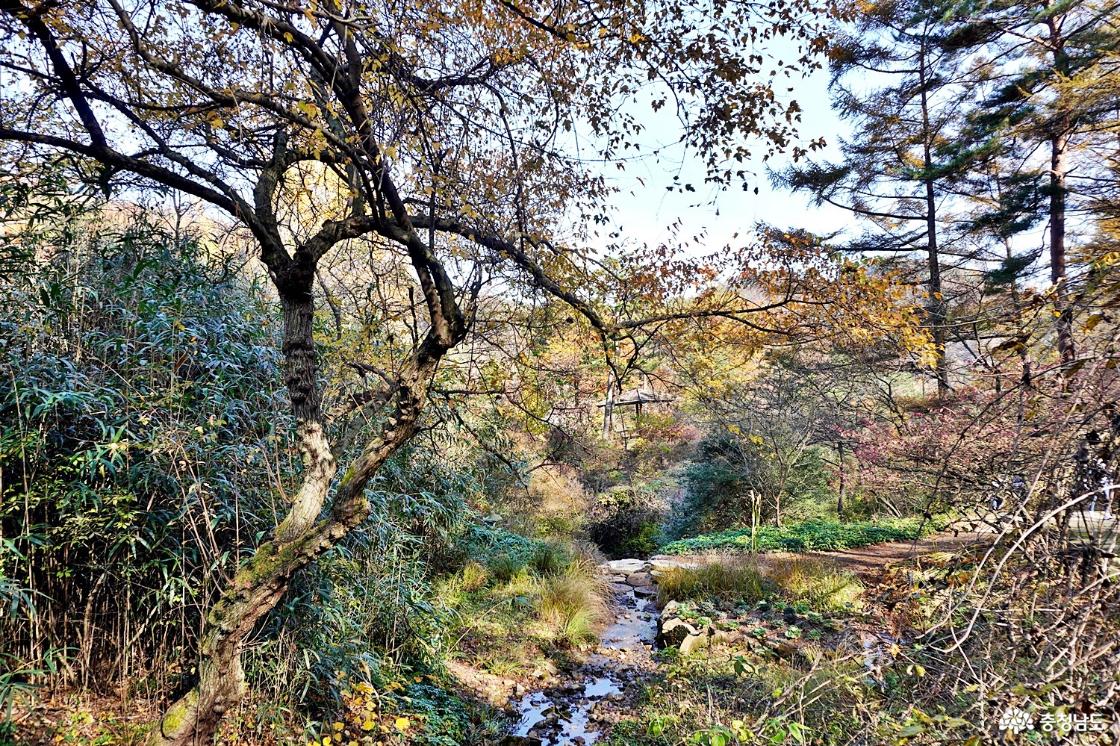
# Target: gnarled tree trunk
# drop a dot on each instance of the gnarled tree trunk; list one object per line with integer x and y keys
{"x": 302, "y": 535}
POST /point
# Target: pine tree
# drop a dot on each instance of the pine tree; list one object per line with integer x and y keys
{"x": 901, "y": 88}
{"x": 1036, "y": 116}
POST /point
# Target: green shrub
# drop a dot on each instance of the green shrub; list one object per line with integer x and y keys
{"x": 550, "y": 558}
{"x": 727, "y": 467}
{"x": 625, "y": 522}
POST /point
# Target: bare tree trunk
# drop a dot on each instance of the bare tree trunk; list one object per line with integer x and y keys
{"x": 935, "y": 300}
{"x": 1059, "y": 142}
{"x": 1066, "y": 352}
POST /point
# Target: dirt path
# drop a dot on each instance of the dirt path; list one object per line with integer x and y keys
{"x": 871, "y": 559}
{"x": 865, "y": 561}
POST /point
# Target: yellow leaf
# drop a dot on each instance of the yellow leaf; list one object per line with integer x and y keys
{"x": 401, "y": 724}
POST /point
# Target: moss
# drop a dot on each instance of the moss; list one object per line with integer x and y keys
{"x": 175, "y": 718}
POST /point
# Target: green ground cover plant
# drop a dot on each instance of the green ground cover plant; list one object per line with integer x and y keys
{"x": 814, "y": 535}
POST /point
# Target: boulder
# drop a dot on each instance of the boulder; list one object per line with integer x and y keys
{"x": 626, "y": 566}
{"x": 721, "y": 637}
{"x": 661, "y": 563}
{"x": 693, "y": 643}
{"x": 640, "y": 579}
{"x": 674, "y": 631}
{"x": 520, "y": 741}
{"x": 784, "y": 649}
{"x": 645, "y": 590}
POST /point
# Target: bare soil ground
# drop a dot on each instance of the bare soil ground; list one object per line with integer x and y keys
{"x": 871, "y": 559}
{"x": 866, "y": 561}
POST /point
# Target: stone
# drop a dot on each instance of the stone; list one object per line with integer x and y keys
{"x": 784, "y": 649}
{"x": 640, "y": 579}
{"x": 692, "y": 643}
{"x": 645, "y": 590}
{"x": 720, "y": 637}
{"x": 626, "y": 566}
{"x": 674, "y": 631}
{"x": 621, "y": 588}
{"x": 520, "y": 741}
{"x": 660, "y": 563}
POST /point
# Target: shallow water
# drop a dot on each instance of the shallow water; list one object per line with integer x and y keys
{"x": 634, "y": 628}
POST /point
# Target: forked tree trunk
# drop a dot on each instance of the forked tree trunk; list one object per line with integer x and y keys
{"x": 302, "y": 536}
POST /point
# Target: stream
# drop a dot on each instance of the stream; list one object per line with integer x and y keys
{"x": 574, "y": 712}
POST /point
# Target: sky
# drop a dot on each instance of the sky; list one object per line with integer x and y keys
{"x": 645, "y": 212}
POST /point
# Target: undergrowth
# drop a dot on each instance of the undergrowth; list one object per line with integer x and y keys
{"x": 819, "y": 535}
{"x": 813, "y": 585}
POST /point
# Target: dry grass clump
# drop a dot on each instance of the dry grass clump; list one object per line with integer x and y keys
{"x": 570, "y": 603}
{"x": 818, "y": 584}
{"x": 734, "y": 580}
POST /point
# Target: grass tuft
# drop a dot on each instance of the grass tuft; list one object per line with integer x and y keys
{"x": 816, "y": 584}
{"x": 737, "y": 581}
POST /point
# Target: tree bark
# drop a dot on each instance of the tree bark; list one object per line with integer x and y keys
{"x": 1059, "y": 141}
{"x": 300, "y": 537}
{"x": 1062, "y": 309}
{"x": 935, "y": 300}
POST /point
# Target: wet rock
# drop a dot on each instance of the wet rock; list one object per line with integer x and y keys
{"x": 647, "y": 591}
{"x": 520, "y": 741}
{"x": 620, "y": 588}
{"x": 674, "y": 631}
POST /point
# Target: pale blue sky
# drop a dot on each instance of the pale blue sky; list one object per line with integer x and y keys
{"x": 645, "y": 212}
